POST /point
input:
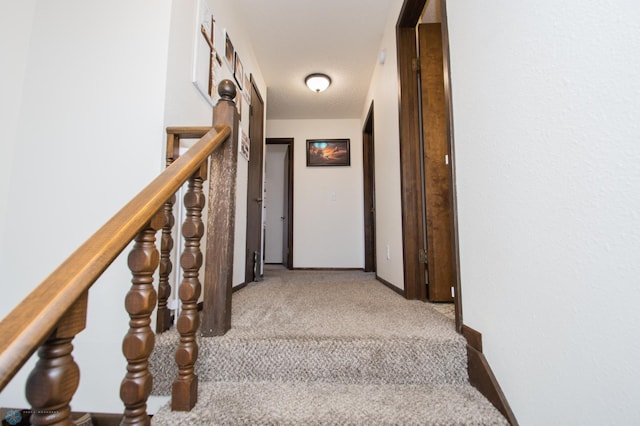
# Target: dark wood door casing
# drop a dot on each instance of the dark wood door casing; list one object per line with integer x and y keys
{"x": 368, "y": 153}
{"x": 410, "y": 164}
{"x": 411, "y": 185}
{"x": 288, "y": 261}
{"x": 254, "y": 183}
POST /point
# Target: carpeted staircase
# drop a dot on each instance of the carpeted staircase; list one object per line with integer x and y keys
{"x": 325, "y": 348}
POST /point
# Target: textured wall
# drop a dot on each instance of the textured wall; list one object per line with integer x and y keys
{"x": 383, "y": 92}
{"x": 328, "y": 228}
{"x": 546, "y": 113}
{"x": 91, "y": 106}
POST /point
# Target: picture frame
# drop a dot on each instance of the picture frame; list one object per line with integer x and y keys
{"x": 238, "y": 101}
{"x": 244, "y": 145}
{"x": 203, "y": 77}
{"x": 216, "y": 63}
{"x": 238, "y": 71}
{"x": 328, "y": 152}
{"x": 229, "y": 51}
{"x": 247, "y": 88}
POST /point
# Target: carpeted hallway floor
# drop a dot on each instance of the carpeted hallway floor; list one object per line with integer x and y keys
{"x": 334, "y": 347}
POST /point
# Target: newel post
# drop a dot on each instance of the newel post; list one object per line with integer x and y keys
{"x": 216, "y": 319}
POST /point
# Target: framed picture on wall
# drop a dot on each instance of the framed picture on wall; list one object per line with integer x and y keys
{"x": 238, "y": 71}
{"x": 247, "y": 88}
{"x": 229, "y": 51}
{"x": 203, "y": 69}
{"x": 244, "y": 144}
{"x": 328, "y": 152}
{"x": 238, "y": 101}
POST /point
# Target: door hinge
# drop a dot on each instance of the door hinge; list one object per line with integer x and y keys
{"x": 422, "y": 256}
{"x": 415, "y": 64}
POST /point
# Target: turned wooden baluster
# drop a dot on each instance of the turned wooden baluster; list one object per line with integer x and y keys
{"x": 139, "y": 341}
{"x": 184, "y": 393}
{"x": 55, "y": 378}
{"x": 163, "y": 320}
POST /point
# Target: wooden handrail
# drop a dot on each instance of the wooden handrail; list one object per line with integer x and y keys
{"x": 33, "y": 320}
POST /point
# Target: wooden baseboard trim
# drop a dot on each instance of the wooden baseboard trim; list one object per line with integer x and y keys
{"x": 474, "y": 338}
{"x": 238, "y": 287}
{"x": 481, "y": 376}
{"x": 106, "y": 419}
{"x": 233, "y": 290}
{"x": 391, "y": 286}
{"x": 327, "y": 269}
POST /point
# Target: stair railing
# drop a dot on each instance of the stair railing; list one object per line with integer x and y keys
{"x": 49, "y": 318}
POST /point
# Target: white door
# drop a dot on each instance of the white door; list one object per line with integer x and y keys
{"x": 275, "y": 181}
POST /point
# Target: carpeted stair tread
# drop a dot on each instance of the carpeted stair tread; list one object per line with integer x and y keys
{"x": 334, "y": 326}
{"x": 333, "y": 360}
{"x": 264, "y": 403}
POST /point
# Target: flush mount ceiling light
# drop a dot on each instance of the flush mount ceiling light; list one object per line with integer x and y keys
{"x": 317, "y": 82}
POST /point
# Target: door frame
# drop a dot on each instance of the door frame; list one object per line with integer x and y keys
{"x": 288, "y": 262}
{"x": 369, "y": 180}
{"x": 410, "y": 176}
{"x": 256, "y": 97}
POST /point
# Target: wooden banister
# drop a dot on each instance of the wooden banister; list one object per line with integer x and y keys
{"x": 34, "y": 320}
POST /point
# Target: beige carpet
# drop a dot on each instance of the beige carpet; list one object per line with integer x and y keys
{"x": 312, "y": 347}
{"x": 332, "y": 303}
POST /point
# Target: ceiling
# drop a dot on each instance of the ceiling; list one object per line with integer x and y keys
{"x": 294, "y": 38}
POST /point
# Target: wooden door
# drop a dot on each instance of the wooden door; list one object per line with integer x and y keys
{"x": 254, "y": 188}
{"x": 437, "y": 185}
{"x": 369, "y": 194}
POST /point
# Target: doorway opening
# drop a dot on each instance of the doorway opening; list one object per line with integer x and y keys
{"x": 368, "y": 156}
{"x": 415, "y": 253}
{"x": 278, "y": 241}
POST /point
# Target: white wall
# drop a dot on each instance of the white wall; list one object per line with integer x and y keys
{"x": 184, "y": 104}
{"x": 384, "y": 94}
{"x": 87, "y": 137}
{"x": 88, "y": 98}
{"x": 546, "y": 106}
{"x": 328, "y": 228}
{"x": 15, "y": 22}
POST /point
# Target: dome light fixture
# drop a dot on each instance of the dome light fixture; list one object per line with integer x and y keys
{"x": 317, "y": 82}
